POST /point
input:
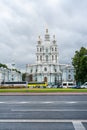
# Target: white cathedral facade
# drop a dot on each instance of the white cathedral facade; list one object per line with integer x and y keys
{"x": 46, "y": 68}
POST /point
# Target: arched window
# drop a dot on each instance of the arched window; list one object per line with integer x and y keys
{"x": 31, "y": 70}
{"x": 52, "y": 57}
{"x": 55, "y": 80}
{"x": 46, "y": 49}
{"x": 55, "y": 49}
{"x": 56, "y": 57}
{"x": 46, "y": 57}
{"x": 41, "y": 58}
{"x": 40, "y": 49}
{"x": 36, "y": 70}
{"x": 45, "y": 79}
{"x": 45, "y": 69}
{"x": 37, "y": 58}
{"x": 69, "y": 71}
{"x": 55, "y": 70}
{"x": 36, "y": 79}
{"x": 69, "y": 76}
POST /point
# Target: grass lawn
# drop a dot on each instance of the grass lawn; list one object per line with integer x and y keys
{"x": 40, "y": 90}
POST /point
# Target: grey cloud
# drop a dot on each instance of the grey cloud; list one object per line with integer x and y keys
{"x": 23, "y": 20}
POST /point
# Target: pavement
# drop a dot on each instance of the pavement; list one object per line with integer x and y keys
{"x": 58, "y": 112}
{"x": 31, "y": 94}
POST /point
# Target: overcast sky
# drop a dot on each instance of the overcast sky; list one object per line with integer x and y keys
{"x": 21, "y": 21}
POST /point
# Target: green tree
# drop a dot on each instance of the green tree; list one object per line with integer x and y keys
{"x": 24, "y": 76}
{"x": 3, "y": 65}
{"x": 79, "y": 62}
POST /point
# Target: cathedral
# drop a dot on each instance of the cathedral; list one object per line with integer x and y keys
{"x": 46, "y": 68}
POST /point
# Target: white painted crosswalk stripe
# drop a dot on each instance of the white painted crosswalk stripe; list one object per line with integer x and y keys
{"x": 78, "y": 125}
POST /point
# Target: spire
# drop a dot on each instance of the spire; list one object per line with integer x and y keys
{"x": 54, "y": 41}
{"x": 46, "y": 30}
{"x": 53, "y": 36}
{"x": 47, "y": 36}
{"x": 39, "y": 40}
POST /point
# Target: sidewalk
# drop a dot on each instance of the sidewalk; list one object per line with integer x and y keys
{"x": 40, "y": 94}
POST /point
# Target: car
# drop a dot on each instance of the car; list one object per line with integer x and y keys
{"x": 77, "y": 86}
{"x": 59, "y": 86}
{"x": 84, "y": 85}
{"x": 68, "y": 84}
{"x": 49, "y": 86}
{"x": 55, "y": 86}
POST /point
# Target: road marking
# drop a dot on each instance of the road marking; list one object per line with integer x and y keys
{"x": 2, "y": 102}
{"x": 75, "y": 122}
{"x": 71, "y": 102}
{"x": 78, "y": 125}
{"x": 48, "y": 110}
{"x": 26, "y": 102}
{"x": 47, "y": 102}
{"x": 43, "y": 102}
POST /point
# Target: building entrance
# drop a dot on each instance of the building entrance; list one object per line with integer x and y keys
{"x": 30, "y": 78}
{"x": 45, "y": 79}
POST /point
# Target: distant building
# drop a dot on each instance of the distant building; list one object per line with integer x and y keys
{"x": 67, "y": 72}
{"x": 47, "y": 62}
{"x": 47, "y": 67}
{"x": 9, "y": 75}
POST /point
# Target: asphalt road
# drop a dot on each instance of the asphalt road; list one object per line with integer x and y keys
{"x": 67, "y": 112}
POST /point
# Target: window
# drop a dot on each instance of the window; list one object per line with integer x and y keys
{"x": 56, "y": 58}
{"x": 36, "y": 70}
{"x": 55, "y": 80}
{"x": 55, "y": 70}
{"x": 37, "y": 58}
{"x": 45, "y": 69}
{"x": 69, "y": 71}
{"x": 69, "y": 76}
{"x": 35, "y": 79}
{"x": 40, "y": 49}
{"x": 46, "y": 49}
{"x": 41, "y": 58}
{"x": 46, "y": 57}
{"x": 52, "y": 57}
{"x": 52, "y": 49}
{"x": 31, "y": 70}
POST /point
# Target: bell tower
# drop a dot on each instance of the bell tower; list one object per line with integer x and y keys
{"x": 47, "y": 36}
{"x": 47, "y": 51}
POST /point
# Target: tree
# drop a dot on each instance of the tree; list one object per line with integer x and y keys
{"x": 24, "y": 76}
{"x": 3, "y": 65}
{"x": 79, "y": 62}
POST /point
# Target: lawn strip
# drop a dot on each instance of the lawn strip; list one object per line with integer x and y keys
{"x": 40, "y": 90}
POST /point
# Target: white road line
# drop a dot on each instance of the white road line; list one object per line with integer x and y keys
{"x": 75, "y": 122}
{"x": 71, "y": 102}
{"x": 1, "y": 102}
{"x": 78, "y": 125}
{"x": 43, "y": 102}
{"x": 25, "y": 102}
{"x": 48, "y": 110}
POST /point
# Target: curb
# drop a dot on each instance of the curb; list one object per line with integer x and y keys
{"x": 40, "y": 94}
